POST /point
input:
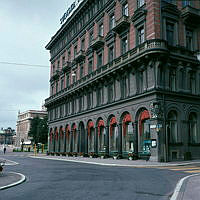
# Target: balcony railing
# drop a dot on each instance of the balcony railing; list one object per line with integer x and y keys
{"x": 67, "y": 66}
{"x": 98, "y": 42}
{"x": 122, "y": 24}
{"x": 150, "y": 46}
{"x": 55, "y": 75}
{"x": 80, "y": 56}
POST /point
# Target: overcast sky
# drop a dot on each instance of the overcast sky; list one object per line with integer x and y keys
{"x": 26, "y": 26}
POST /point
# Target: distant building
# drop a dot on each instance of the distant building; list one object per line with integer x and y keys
{"x": 24, "y": 123}
{"x": 7, "y": 136}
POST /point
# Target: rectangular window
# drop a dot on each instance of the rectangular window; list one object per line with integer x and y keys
{"x": 123, "y": 87}
{"x": 58, "y": 67}
{"x": 63, "y": 60}
{"x": 75, "y": 50}
{"x": 99, "y": 60}
{"x": 81, "y": 71}
{"x": 111, "y": 54}
{"x": 90, "y": 67}
{"x": 91, "y": 37}
{"x": 52, "y": 90}
{"x": 69, "y": 55}
{"x": 53, "y": 69}
{"x": 186, "y": 3}
{"x": 73, "y": 106}
{"x": 140, "y": 3}
{"x": 112, "y": 21}
{"x": 125, "y": 9}
{"x": 56, "y": 87}
{"x": 89, "y": 102}
{"x": 67, "y": 81}
{"x": 101, "y": 29}
{"x": 141, "y": 35}
{"x": 140, "y": 82}
{"x": 189, "y": 39}
{"x": 61, "y": 111}
{"x": 192, "y": 83}
{"x": 124, "y": 45}
{"x": 172, "y": 80}
{"x": 62, "y": 84}
{"x": 80, "y": 103}
{"x": 74, "y": 76}
{"x": 170, "y": 33}
{"x": 110, "y": 93}
{"x": 83, "y": 44}
{"x": 99, "y": 97}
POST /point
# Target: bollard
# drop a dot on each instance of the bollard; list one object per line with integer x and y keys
{"x": 35, "y": 152}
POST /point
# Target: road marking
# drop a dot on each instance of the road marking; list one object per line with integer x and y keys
{"x": 180, "y": 169}
{"x": 193, "y": 171}
{"x": 179, "y": 185}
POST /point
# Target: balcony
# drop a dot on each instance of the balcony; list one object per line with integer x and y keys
{"x": 97, "y": 43}
{"x": 55, "y": 75}
{"x": 191, "y": 15}
{"x": 67, "y": 66}
{"x": 122, "y": 24}
{"x": 155, "y": 46}
{"x": 80, "y": 56}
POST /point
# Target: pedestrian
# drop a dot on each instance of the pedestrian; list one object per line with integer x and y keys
{"x": 4, "y": 150}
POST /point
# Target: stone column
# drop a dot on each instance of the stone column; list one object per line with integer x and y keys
{"x": 133, "y": 86}
{"x": 120, "y": 138}
{"x": 117, "y": 88}
{"x": 107, "y": 140}
{"x": 96, "y": 140}
{"x": 135, "y": 136}
{"x": 86, "y": 140}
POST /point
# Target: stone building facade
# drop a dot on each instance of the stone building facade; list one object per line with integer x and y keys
{"x": 125, "y": 80}
{"x": 24, "y": 124}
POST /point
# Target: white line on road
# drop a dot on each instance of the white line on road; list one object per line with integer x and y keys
{"x": 179, "y": 185}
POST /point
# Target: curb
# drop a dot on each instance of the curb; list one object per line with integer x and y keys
{"x": 179, "y": 185}
{"x": 11, "y": 162}
{"x": 23, "y": 178}
{"x": 112, "y": 164}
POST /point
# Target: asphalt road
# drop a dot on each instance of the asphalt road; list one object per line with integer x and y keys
{"x": 58, "y": 180}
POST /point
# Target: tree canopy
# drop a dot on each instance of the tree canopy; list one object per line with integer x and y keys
{"x": 39, "y": 130}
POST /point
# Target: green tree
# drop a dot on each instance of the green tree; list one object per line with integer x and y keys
{"x": 39, "y": 130}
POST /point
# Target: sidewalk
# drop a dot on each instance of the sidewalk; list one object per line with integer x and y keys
{"x": 118, "y": 162}
{"x": 9, "y": 179}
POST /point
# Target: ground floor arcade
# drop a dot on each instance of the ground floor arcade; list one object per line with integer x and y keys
{"x": 172, "y": 136}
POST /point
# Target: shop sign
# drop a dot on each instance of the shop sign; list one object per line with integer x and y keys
{"x": 70, "y": 10}
{"x": 153, "y": 126}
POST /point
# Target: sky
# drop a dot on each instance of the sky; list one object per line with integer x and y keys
{"x": 26, "y": 26}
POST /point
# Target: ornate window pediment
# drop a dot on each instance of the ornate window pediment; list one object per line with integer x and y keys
{"x": 139, "y": 16}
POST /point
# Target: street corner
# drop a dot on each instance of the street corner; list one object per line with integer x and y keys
{"x": 10, "y": 179}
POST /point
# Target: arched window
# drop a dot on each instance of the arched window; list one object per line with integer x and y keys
{"x": 113, "y": 134}
{"x": 173, "y": 128}
{"x": 144, "y": 132}
{"x": 75, "y": 138}
{"x": 193, "y": 134}
{"x": 127, "y": 136}
{"x": 101, "y": 136}
{"x": 90, "y": 136}
{"x": 67, "y": 138}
